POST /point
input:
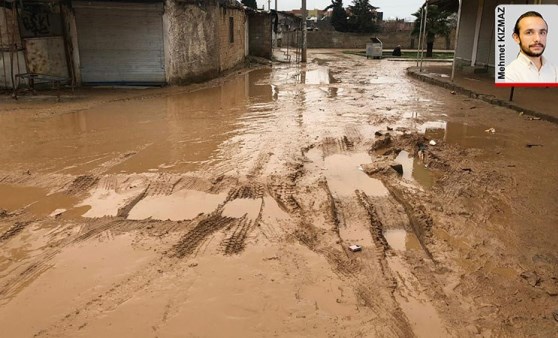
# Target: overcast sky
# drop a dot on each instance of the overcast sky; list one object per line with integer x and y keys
{"x": 391, "y": 8}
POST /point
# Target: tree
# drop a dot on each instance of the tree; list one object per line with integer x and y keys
{"x": 338, "y": 15}
{"x": 250, "y": 3}
{"x": 439, "y": 22}
{"x": 362, "y": 17}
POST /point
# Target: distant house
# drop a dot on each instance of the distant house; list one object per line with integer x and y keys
{"x": 122, "y": 42}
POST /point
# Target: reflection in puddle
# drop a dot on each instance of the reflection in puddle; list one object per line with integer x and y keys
{"x": 401, "y": 240}
{"x": 105, "y": 202}
{"x": 321, "y": 75}
{"x": 414, "y": 170}
{"x": 243, "y": 206}
{"x": 184, "y": 131}
{"x": 344, "y": 175}
{"x": 181, "y": 205}
{"x": 460, "y": 133}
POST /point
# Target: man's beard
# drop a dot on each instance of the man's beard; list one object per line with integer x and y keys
{"x": 528, "y": 52}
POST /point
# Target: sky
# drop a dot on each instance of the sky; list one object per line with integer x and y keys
{"x": 391, "y": 8}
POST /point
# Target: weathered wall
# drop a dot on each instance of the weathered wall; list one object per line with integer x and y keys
{"x": 231, "y": 53}
{"x": 9, "y": 36}
{"x": 260, "y": 35}
{"x": 191, "y": 41}
{"x": 334, "y": 39}
{"x": 46, "y": 56}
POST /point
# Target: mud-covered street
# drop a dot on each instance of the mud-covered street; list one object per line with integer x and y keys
{"x": 227, "y": 209}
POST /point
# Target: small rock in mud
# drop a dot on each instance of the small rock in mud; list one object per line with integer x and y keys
{"x": 374, "y": 168}
{"x": 555, "y": 315}
{"x": 531, "y": 277}
{"x": 397, "y": 167}
{"x": 384, "y": 142}
{"x": 3, "y": 213}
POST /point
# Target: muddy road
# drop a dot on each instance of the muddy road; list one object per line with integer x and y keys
{"x": 227, "y": 209}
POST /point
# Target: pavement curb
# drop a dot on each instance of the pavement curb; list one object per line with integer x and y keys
{"x": 413, "y": 71}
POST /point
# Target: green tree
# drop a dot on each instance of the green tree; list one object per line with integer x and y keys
{"x": 362, "y": 17}
{"x": 440, "y": 22}
{"x": 338, "y": 15}
{"x": 250, "y": 3}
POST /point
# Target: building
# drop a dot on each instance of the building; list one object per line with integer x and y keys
{"x": 137, "y": 42}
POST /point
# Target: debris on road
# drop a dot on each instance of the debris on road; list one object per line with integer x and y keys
{"x": 355, "y": 247}
{"x": 432, "y": 142}
{"x": 490, "y": 130}
{"x": 397, "y": 167}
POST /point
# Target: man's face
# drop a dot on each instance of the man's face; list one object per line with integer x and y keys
{"x": 532, "y": 36}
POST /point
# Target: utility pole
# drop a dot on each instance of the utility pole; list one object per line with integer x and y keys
{"x": 276, "y": 5}
{"x": 303, "y": 56}
{"x": 269, "y": 5}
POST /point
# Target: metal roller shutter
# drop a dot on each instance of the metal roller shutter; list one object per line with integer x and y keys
{"x": 120, "y": 42}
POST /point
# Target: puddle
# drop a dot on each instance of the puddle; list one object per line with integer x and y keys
{"x": 461, "y": 133}
{"x": 344, "y": 175}
{"x": 13, "y": 197}
{"x": 414, "y": 170}
{"x": 184, "y": 131}
{"x": 401, "y": 240}
{"x": 181, "y": 205}
{"x": 321, "y": 75}
{"x": 105, "y": 202}
{"x": 243, "y": 206}
{"x": 59, "y": 202}
{"x": 422, "y": 315}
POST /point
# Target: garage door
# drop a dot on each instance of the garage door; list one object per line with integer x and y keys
{"x": 120, "y": 43}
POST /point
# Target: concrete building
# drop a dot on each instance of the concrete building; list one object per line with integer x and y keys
{"x": 136, "y": 42}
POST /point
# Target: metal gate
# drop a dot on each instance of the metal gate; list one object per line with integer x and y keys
{"x": 120, "y": 42}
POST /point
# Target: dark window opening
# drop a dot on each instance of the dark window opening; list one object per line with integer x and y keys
{"x": 231, "y": 29}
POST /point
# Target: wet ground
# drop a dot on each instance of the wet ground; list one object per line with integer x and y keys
{"x": 227, "y": 209}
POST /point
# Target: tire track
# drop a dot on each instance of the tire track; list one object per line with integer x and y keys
{"x": 205, "y": 228}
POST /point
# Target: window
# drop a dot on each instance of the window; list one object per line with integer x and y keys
{"x": 231, "y": 29}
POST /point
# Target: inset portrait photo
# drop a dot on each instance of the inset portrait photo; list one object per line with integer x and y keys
{"x": 526, "y": 45}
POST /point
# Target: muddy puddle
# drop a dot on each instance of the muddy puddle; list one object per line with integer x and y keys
{"x": 174, "y": 133}
{"x": 14, "y": 197}
{"x": 344, "y": 173}
{"x": 463, "y": 134}
{"x": 423, "y": 316}
{"x": 414, "y": 169}
{"x": 181, "y": 205}
{"x": 402, "y": 240}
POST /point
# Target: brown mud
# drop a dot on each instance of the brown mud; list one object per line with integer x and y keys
{"x": 228, "y": 209}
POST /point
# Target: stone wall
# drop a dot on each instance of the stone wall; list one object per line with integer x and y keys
{"x": 334, "y": 39}
{"x": 191, "y": 41}
{"x": 259, "y": 26}
{"x": 197, "y": 45}
{"x": 231, "y": 53}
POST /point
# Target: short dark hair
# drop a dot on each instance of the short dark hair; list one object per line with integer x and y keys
{"x": 527, "y": 15}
